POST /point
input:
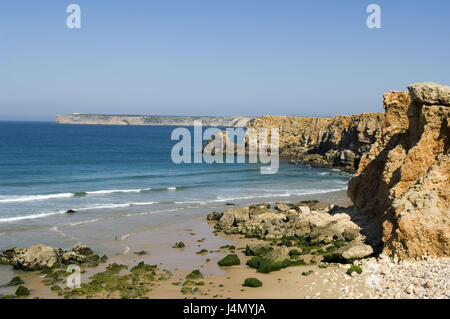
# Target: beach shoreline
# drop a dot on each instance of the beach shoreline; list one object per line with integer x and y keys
{"x": 197, "y": 233}
{"x": 204, "y": 246}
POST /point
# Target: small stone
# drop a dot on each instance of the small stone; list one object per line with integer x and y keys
{"x": 428, "y": 285}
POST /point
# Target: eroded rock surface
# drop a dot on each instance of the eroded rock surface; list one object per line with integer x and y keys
{"x": 42, "y": 257}
{"x": 403, "y": 181}
{"x": 317, "y": 222}
{"x": 337, "y": 142}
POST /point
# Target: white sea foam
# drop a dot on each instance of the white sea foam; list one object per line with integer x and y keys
{"x": 112, "y": 191}
{"x": 143, "y": 203}
{"x": 171, "y": 188}
{"x": 87, "y": 221}
{"x": 41, "y": 197}
{"x": 31, "y": 216}
{"x": 28, "y": 198}
{"x": 291, "y": 193}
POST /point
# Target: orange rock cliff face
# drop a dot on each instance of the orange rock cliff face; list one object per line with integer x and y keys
{"x": 338, "y": 141}
{"x": 402, "y": 183}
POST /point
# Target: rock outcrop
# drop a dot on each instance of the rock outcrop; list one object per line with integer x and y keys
{"x": 337, "y": 142}
{"x": 41, "y": 257}
{"x": 402, "y": 183}
{"x": 311, "y": 220}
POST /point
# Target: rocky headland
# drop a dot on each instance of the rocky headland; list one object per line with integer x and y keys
{"x": 394, "y": 242}
{"x": 402, "y": 184}
{"x": 151, "y": 120}
{"x": 337, "y": 142}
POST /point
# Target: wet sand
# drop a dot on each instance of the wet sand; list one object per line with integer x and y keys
{"x": 220, "y": 282}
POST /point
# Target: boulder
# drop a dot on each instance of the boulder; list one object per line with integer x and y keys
{"x": 278, "y": 253}
{"x": 351, "y": 234}
{"x": 257, "y": 249}
{"x": 37, "y": 257}
{"x": 283, "y": 207}
{"x": 353, "y": 251}
{"x": 232, "y": 217}
{"x": 72, "y": 257}
{"x": 214, "y": 216}
{"x": 82, "y": 250}
{"x": 70, "y": 211}
{"x": 304, "y": 210}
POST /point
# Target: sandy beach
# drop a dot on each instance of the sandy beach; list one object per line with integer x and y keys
{"x": 154, "y": 247}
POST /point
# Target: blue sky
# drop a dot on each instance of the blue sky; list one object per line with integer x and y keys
{"x": 216, "y": 57}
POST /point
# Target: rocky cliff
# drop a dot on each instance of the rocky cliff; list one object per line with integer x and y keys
{"x": 402, "y": 183}
{"x": 105, "y": 119}
{"x": 337, "y": 142}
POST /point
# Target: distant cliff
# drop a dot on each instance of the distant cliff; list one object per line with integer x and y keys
{"x": 105, "y": 119}
{"x": 337, "y": 142}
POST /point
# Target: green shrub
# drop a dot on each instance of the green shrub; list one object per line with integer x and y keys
{"x": 307, "y": 273}
{"x": 202, "y": 252}
{"x": 353, "y": 268}
{"x": 229, "y": 260}
{"x": 252, "y": 282}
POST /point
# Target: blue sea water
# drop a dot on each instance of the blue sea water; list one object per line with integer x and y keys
{"x": 110, "y": 172}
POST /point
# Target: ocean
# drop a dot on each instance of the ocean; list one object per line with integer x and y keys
{"x": 121, "y": 179}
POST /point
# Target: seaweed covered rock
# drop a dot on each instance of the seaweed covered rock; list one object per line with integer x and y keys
{"x": 22, "y": 291}
{"x": 252, "y": 282}
{"x": 16, "y": 281}
{"x": 34, "y": 258}
{"x": 347, "y": 254}
{"x": 82, "y": 250}
{"x": 41, "y": 257}
{"x": 306, "y": 219}
{"x": 214, "y": 216}
{"x": 229, "y": 260}
{"x": 72, "y": 257}
{"x": 278, "y": 254}
{"x": 257, "y": 249}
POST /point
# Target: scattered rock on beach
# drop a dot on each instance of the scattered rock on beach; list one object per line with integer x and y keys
{"x": 214, "y": 216}
{"x": 353, "y": 251}
{"x": 42, "y": 257}
{"x": 83, "y": 250}
{"x": 279, "y": 253}
{"x": 71, "y": 211}
{"x": 307, "y": 219}
{"x": 16, "y": 281}
{"x": 34, "y": 258}
{"x": 22, "y": 291}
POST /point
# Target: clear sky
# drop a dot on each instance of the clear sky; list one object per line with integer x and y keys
{"x": 216, "y": 57}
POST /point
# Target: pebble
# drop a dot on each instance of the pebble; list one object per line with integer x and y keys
{"x": 387, "y": 278}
